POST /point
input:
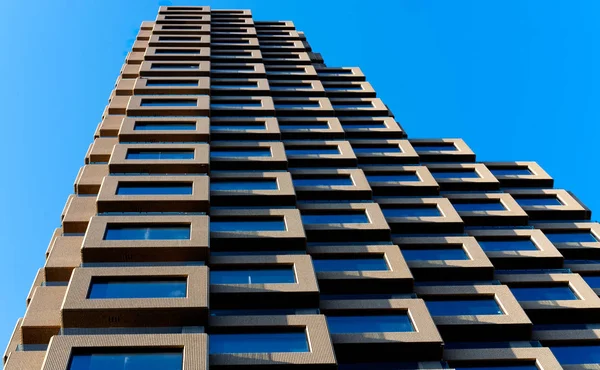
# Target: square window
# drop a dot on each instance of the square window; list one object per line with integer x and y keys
{"x": 322, "y": 180}
{"x": 394, "y": 177}
{"x": 258, "y": 343}
{"x": 539, "y": 201}
{"x": 146, "y": 232}
{"x": 425, "y": 147}
{"x": 523, "y": 171}
{"x": 592, "y": 281}
{"x": 342, "y": 217}
{"x": 230, "y": 126}
{"x": 245, "y": 152}
{"x": 148, "y": 188}
{"x": 135, "y": 287}
{"x": 162, "y": 126}
{"x": 164, "y": 154}
{"x": 372, "y": 262}
{"x": 313, "y": 150}
{"x": 497, "y": 367}
{"x": 377, "y": 149}
{"x": 412, "y": 212}
{"x": 543, "y": 293}
{"x": 479, "y": 206}
{"x": 455, "y": 254}
{"x": 254, "y": 276}
{"x": 466, "y": 174}
{"x": 174, "y": 66}
{"x": 443, "y": 307}
{"x": 369, "y": 324}
{"x": 577, "y": 355}
{"x": 169, "y": 103}
{"x": 157, "y": 359}
{"x": 228, "y": 184}
{"x": 571, "y": 237}
{"x": 247, "y": 224}
{"x": 507, "y": 245}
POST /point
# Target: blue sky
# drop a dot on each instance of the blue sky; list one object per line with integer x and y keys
{"x": 517, "y": 79}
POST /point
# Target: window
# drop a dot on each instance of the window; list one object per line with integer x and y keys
{"x": 158, "y": 126}
{"x": 539, "y": 201}
{"x": 497, "y": 367}
{"x": 348, "y": 217}
{"x": 543, "y": 293}
{"x": 176, "y": 51}
{"x": 367, "y": 124}
{"x": 241, "y": 184}
{"x": 377, "y": 149}
{"x": 575, "y": 355}
{"x": 145, "y": 188}
{"x": 465, "y": 174}
{"x": 479, "y": 206}
{"x": 136, "y": 287}
{"x": 571, "y": 237}
{"x": 258, "y": 343}
{"x": 521, "y": 171}
{"x": 323, "y": 180}
{"x": 300, "y": 104}
{"x": 313, "y": 150}
{"x": 172, "y": 83}
{"x": 237, "y": 127}
{"x": 369, "y": 324}
{"x": 238, "y": 104}
{"x": 394, "y": 177}
{"x": 159, "y": 154}
{"x": 166, "y": 27}
{"x": 289, "y": 86}
{"x": 374, "y": 263}
{"x": 474, "y": 306}
{"x": 352, "y": 105}
{"x": 146, "y": 232}
{"x": 263, "y": 276}
{"x": 247, "y": 224}
{"x": 305, "y": 126}
{"x": 592, "y": 281}
{"x": 343, "y": 88}
{"x": 174, "y": 66}
{"x": 507, "y": 245}
{"x": 411, "y": 212}
{"x": 233, "y": 85}
{"x": 242, "y": 152}
{"x": 454, "y": 254}
{"x": 169, "y": 102}
{"x": 434, "y": 147}
{"x": 157, "y": 359}
{"x": 178, "y": 38}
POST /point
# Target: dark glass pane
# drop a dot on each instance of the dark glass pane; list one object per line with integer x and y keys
{"x": 313, "y": 151}
{"x": 411, "y": 212}
{"x": 146, "y": 232}
{"x": 463, "y": 307}
{"x": 237, "y": 105}
{"x": 377, "y": 150}
{"x": 324, "y": 181}
{"x": 358, "y": 264}
{"x": 175, "y": 51}
{"x": 174, "y": 66}
{"x": 574, "y": 237}
{"x": 456, "y": 175}
{"x": 265, "y": 276}
{"x": 492, "y": 206}
{"x": 511, "y": 172}
{"x": 434, "y": 147}
{"x": 393, "y": 178}
{"x": 137, "y": 188}
{"x": 352, "y": 105}
{"x": 249, "y": 224}
{"x": 434, "y": 254}
{"x": 543, "y": 293}
{"x": 574, "y": 355}
{"x": 258, "y": 343}
{"x": 320, "y": 126}
{"x": 592, "y": 281}
{"x": 127, "y": 361}
{"x": 507, "y": 367}
{"x": 307, "y": 104}
{"x": 538, "y": 201}
{"x": 246, "y": 152}
{"x": 250, "y": 126}
{"x": 159, "y": 154}
{"x": 369, "y": 324}
{"x": 169, "y": 102}
{"x": 171, "y": 83}
{"x": 155, "y": 126}
{"x": 148, "y": 288}
{"x": 336, "y": 218}
{"x": 258, "y": 184}
{"x": 507, "y": 245}
{"x": 363, "y": 125}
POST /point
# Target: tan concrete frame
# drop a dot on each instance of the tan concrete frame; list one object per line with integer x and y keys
{"x": 512, "y": 325}
{"x": 570, "y": 208}
{"x": 96, "y": 249}
{"x": 448, "y": 222}
{"x": 42, "y": 319}
{"x": 546, "y": 255}
{"x": 425, "y": 186}
{"x": 201, "y": 107}
{"x": 198, "y": 201}
{"x": 485, "y": 181}
{"x": 277, "y": 160}
{"x": 119, "y": 163}
{"x": 293, "y": 238}
{"x": 512, "y": 215}
{"x": 407, "y": 154}
{"x": 202, "y": 88}
{"x": 538, "y": 177}
{"x": 271, "y": 131}
{"x": 127, "y": 133}
{"x": 324, "y": 109}
{"x": 303, "y": 293}
{"x": 194, "y": 346}
{"x": 542, "y": 357}
{"x": 266, "y": 106}
{"x": 284, "y": 195}
{"x": 89, "y": 178}
{"x": 360, "y": 188}
{"x": 462, "y": 153}
{"x": 345, "y": 158}
{"x": 78, "y": 311}
{"x": 321, "y": 353}
{"x": 477, "y": 267}
{"x": 398, "y": 279}
{"x": 146, "y": 69}
{"x": 424, "y": 343}
{"x": 574, "y": 250}
{"x": 334, "y": 131}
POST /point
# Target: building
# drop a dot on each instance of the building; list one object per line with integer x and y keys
{"x": 232, "y": 166}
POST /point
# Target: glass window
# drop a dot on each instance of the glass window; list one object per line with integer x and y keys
{"x": 367, "y": 124}
{"x": 467, "y": 174}
{"x": 145, "y": 188}
{"x": 483, "y": 206}
{"x": 434, "y": 147}
{"x": 263, "y": 276}
{"x": 592, "y": 281}
{"x": 323, "y": 180}
{"x": 454, "y": 254}
{"x": 347, "y": 217}
{"x": 245, "y": 152}
{"x": 159, "y": 154}
{"x": 507, "y": 245}
{"x": 497, "y": 367}
{"x": 412, "y": 212}
{"x": 135, "y": 287}
{"x": 487, "y": 306}
{"x": 160, "y": 359}
{"x": 543, "y": 293}
{"x": 305, "y": 126}
{"x": 377, "y": 149}
{"x": 172, "y": 83}
{"x": 233, "y": 85}
{"x": 369, "y": 324}
{"x": 147, "y": 232}
{"x": 179, "y": 38}
{"x": 524, "y": 171}
{"x": 247, "y": 224}
{"x": 303, "y": 104}
{"x": 396, "y": 177}
{"x": 545, "y": 201}
{"x": 258, "y": 343}
{"x": 241, "y": 184}
{"x": 574, "y": 355}
{"x": 313, "y": 150}
{"x": 352, "y": 105}
{"x": 343, "y": 88}
{"x": 228, "y": 126}
{"x": 158, "y": 126}
{"x": 571, "y": 237}
{"x": 374, "y": 263}
{"x": 243, "y": 104}
{"x": 174, "y": 66}
{"x": 176, "y": 51}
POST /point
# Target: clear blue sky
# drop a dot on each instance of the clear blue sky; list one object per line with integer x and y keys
{"x": 517, "y": 79}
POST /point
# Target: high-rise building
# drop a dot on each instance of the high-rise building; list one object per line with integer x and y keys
{"x": 244, "y": 205}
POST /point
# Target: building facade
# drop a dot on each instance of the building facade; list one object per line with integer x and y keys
{"x": 244, "y": 205}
